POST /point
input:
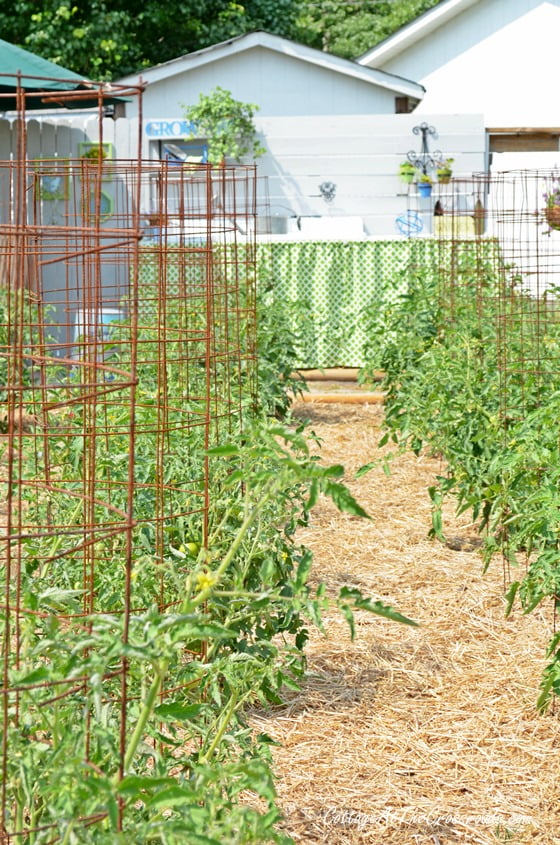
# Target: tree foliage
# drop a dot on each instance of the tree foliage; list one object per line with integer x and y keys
{"x": 349, "y": 28}
{"x": 227, "y": 124}
{"x": 105, "y": 39}
{"x": 110, "y": 38}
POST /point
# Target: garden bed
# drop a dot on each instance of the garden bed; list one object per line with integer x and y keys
{"x": 427, "y": 735}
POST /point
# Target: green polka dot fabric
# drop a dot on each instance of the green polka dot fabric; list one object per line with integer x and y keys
{"x": 335, "y": 284}
{"x": 331, "y": 289}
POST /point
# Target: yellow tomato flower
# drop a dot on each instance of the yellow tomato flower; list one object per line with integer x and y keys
{"x": 205, "y": 580}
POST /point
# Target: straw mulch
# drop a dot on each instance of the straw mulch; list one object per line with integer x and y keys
{"x": 413, "y": 736}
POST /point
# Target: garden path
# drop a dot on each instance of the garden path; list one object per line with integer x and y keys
{"x": 412, "y": 736}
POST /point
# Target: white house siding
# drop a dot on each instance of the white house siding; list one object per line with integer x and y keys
{"x": 360, "y": 155}
{"x": 497, "y": 57}
{"x": 278, "y": 84}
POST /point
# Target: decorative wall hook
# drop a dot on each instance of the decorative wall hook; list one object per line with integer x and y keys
{"x": 328, "y": 191}
{"x": 424, "y": 160}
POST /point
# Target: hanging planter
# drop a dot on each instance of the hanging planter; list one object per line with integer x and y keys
{"x": 94, "y": 156}
{"x": 552, "y": 215}
{"x": 551, "y": 209}
{"x": 444, "y": 171}
{"x": 407, "y": 172}
{"x": 425, "y": 187}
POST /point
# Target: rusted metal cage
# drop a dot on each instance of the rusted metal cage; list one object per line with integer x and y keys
{"x": 505, "y": 224}
{"x": 528, "y": 319}
{"x": 127, "y": 348}
{"x": 506, "y": 293}
{"x": 466, "y": 255}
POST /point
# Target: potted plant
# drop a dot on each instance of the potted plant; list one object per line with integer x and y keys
{"x": 94, "y": 152}
{"x": 425, "y": 185}
{"x": 227, "y": 125}
{"x": 444, "y": 170}
{"x": 407, "y": 172}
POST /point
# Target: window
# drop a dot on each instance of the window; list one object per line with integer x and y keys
{"x": 184, "y": 152}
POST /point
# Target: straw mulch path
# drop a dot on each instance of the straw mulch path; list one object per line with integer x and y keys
{"x": 413, "y": 736}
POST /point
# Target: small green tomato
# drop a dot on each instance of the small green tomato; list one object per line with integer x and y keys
{"x": 192, "y": 549}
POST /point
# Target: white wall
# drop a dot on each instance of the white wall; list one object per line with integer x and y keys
{"x": 497, "y": 58}
{"x": 361, "y": 155}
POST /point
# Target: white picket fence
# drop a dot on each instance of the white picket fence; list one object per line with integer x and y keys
{"x": 61, "y": 136}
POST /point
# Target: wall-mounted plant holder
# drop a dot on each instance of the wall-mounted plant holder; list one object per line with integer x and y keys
{"x": 328, "y": 191}
{"x": 91, "y": 151}
{"x": 424, "y": 161}
{"x": 53, "y": 179}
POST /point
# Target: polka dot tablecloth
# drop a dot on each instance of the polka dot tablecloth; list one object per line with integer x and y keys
{"x": 335, "y": 283}
{"x": 331, "y": 288}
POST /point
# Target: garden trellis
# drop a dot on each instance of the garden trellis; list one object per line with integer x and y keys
{"x": 127, "y": 350}
{"x": 508, "y": 289}
{"x": 472, "y": 356}
{"x": 512, "y": 275}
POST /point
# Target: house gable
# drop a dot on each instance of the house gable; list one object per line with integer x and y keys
{"x": 419, "y": 28}
{"x": 282, "y": 77}
{"x": 488, "y": 57}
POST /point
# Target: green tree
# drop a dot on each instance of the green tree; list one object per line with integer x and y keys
{"x": 349, "y": 28}
{"x": 275, "y": 16}
{"x": 89, "y": 39}
{"x": 110, "y": 38}
{"x": 106, "y": 39}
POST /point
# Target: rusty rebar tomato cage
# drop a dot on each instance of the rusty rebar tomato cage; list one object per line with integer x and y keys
{"x": 127, "y": 348}
{"x": 502, "y": 246}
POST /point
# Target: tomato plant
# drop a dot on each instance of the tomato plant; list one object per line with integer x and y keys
{"x": 138, "y": 644}
{"x": 469, "y": 361}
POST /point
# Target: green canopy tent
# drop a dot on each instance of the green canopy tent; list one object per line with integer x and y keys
{"x": 45, "y": 85}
